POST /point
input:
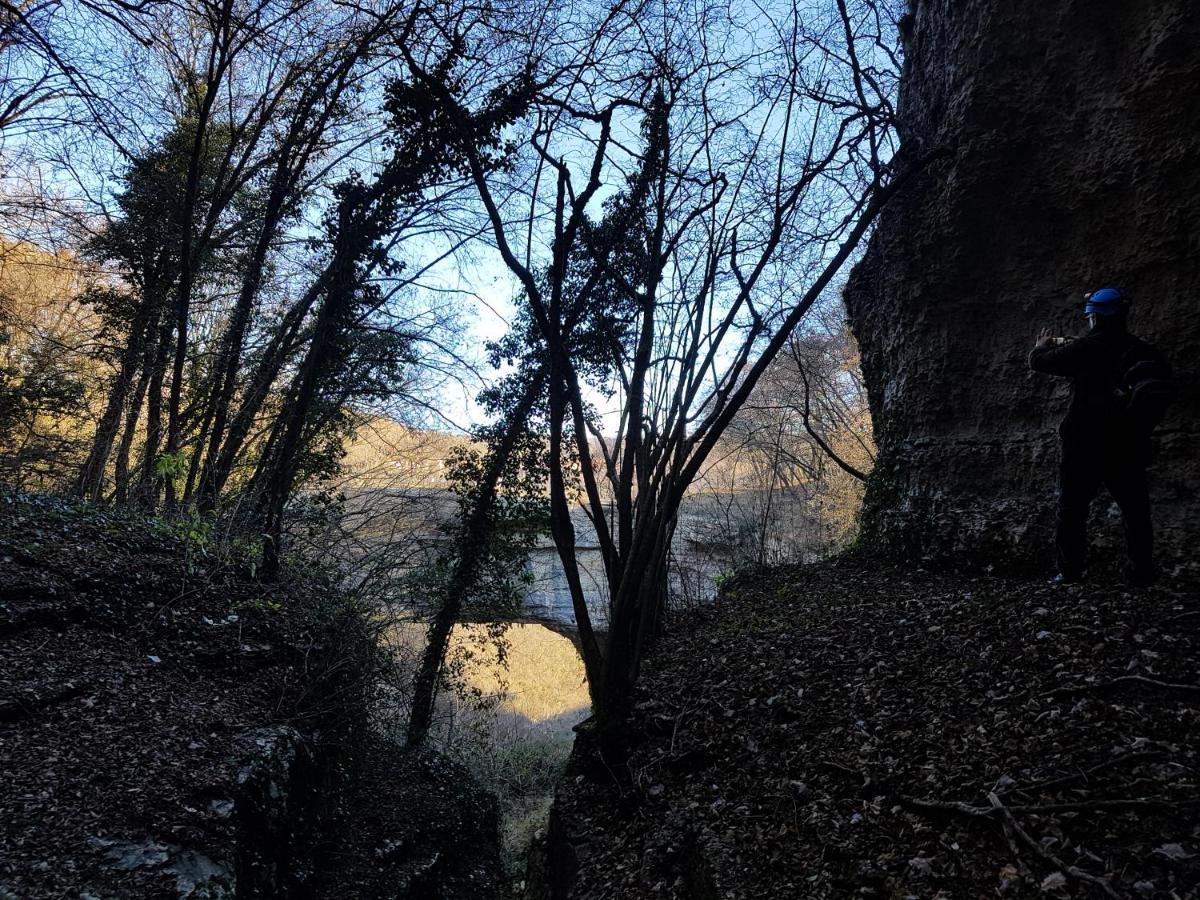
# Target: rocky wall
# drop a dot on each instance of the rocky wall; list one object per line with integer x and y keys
{"x": 1075, "y": 163}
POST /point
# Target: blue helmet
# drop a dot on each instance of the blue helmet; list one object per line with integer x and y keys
{"x": 1107, "y": 301}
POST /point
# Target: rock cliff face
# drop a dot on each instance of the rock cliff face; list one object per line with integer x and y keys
{"x": 1076, "y": 163}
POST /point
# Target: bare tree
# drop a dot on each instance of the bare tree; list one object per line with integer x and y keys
{"x": 270, "y": 103}
{"x": 750, "y": 159}
{"x": 423, "y": 151}
{"x": 38, "y": 64}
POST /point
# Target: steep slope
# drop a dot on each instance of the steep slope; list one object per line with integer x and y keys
{"x": 1076, "y": 163}
{"x": 159, "y": 709}
{"x": 172, "y": 727}
{"x": 855, "y": 730}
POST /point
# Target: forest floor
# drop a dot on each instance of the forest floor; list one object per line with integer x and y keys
{"x": 852, "y": 729}
{"x": 172, "y": 727}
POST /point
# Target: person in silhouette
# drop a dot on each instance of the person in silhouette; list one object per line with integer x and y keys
{"x": 1106, "y": 433}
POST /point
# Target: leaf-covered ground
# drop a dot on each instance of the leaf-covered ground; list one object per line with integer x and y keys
{"x": 850, "y": 729}
{"x": 133, "y": 661}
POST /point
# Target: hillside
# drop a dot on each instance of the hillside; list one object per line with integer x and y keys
{"x": 855, "y": 730}
{"x": 172, "y": 727}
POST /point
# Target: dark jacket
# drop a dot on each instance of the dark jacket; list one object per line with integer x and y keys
{"x": 1094, "y": 363}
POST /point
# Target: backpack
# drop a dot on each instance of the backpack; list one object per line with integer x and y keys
{"x": 1145, "y": 389}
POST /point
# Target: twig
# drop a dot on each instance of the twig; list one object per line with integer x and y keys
{"x": 29, "y": 705}
{"x": 1183, "y": 615}
{"x": 1118, "y": 805}
{"x": 1045, "y": 854}
{"x": 1124, "y": 680}
{"x": 838, "y": 767}
{"x": 954, "y": 806}
{"x": 1009, "y": 835}
{"x": 1085, "y": 774}
{"x": 1132, "y": 803}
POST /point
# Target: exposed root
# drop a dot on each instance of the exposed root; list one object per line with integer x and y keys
{"x": 1044, "y": 854}
{"x": 1124, "y": 680}
{"x": 14, "y": 708}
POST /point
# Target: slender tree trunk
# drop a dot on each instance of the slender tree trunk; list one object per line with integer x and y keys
{"x": 149, "y": 353}
{"x": 562, "y": 531}
{"x": 121, "y": 467}
{"x": 278, "y": 483}
{"x": 193, "y": 470}
{"x": 182, "y": 309}
{"x": 90, "y": 481}
{"x": 189, "y": 251}
{"x": 217, "y": 472}
{"x": 230, "y": 356}
{"x": 473, "y": 543}
{"x": 148, "y": 485}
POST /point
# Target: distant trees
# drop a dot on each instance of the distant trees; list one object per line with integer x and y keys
{"x": 47, "y": 90}
{"x": 44, "y": 379}
{"x": 785, "y": 481}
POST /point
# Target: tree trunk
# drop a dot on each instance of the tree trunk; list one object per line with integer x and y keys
{"x": 472, "y": 543}
{"x": 230, "y": 356}
{"x": 148, "y": 486}
{"x": 216, "y": 474}
{"x": 197, "y": 453}
{"x": 278, "y": 483}
{"x": 90, "y": 481}
{"x": 121, "y": 468}
{"x": 182, "y": 310}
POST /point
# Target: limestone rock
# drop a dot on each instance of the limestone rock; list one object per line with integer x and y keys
{"x": 277, "y": 787}
{"x": 1076, "y": 163}
{"x": 192, "y": 874}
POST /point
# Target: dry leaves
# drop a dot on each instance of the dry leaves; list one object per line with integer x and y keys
{"x": 838, "y": 730}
